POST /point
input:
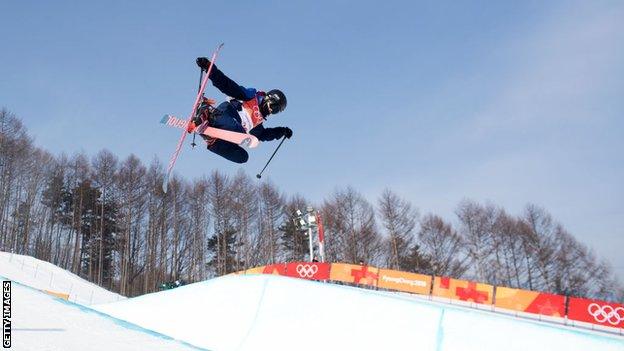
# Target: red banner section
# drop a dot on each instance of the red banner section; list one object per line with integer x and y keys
{"x": 352, "y": 273}
{"x": 463, "y": 290}
{"x": 530, "y": 301}
{"x": 308, "y": 270}
{"x": 277, "y": 269}
{"x": 597, "y": 312}
{"x": 305, "y": 270}
{"x": 404, "y": 281}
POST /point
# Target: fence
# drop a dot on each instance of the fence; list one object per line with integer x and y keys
{"x": 56, "y": 281}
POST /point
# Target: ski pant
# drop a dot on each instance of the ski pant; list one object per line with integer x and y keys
{"x": 229, "y": 151}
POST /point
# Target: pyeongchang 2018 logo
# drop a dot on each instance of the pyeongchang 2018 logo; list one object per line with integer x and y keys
{"x": 401, "y": 280}
{"x": 606, "y": 313}
{"x": 307, "y": 270}
{"x": 6, "y": 314}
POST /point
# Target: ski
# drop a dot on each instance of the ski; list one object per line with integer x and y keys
{"x": 174, "y": 157}
{"x": 242, "y": 139}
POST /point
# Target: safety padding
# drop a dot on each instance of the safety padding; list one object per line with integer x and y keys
{"x": 303, "y": 270}
{"x": 463, "y": 290}
{"x": 404, "y": 281}
{"x": 353, "y": 273}
{"x": 530, "y": 301}
{"x": 597, "y": 312}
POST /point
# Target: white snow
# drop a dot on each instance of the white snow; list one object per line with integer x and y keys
{"x": 41, "y": 322}
{"x": 266, "y": 312}
{"x": 43, "y": 275}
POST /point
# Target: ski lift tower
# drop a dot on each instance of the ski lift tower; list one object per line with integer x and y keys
{"x": 310, "y": 224}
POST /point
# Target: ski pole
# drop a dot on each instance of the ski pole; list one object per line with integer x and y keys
{"x": 176, "y": 153}
{"x": 201, "y": 77}
{"x": 259, "y": 175}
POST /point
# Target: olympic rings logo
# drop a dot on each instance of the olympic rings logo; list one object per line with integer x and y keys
{"x": 606, "y": 313}
{"x": 307, "y": 270}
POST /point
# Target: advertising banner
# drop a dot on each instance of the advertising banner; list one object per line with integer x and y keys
{"x": 353, "y": 273}
{"x": 304, "y": 270}
{"x": 597, "y": 312}
{"x": 463, "y": 290}
{"x": 404, "y": 281}
{"x": 308, "y": 270}
{"x": 277, "y": 269}
{"x": 530, "y": 301}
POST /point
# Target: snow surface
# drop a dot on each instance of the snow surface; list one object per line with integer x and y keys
{"x": 266, "y": 312}
{"x": 41, "y": 322}
{"x": 262, "y": 312}
{"x": 43, "y": 275}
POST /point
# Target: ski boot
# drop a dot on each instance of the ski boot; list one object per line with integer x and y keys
{"x": 205, "y": 113}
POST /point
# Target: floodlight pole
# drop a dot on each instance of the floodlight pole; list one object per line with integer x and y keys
{"x": 310, "y": 241}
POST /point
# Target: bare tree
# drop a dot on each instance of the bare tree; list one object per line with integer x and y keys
{"x": 156, "y": 224}
{"x": 246, "y": 211}
{"x": 222, "y": 242}
{"x": 350, "y": 224}
{"x": 476, "y": 223}
{"x": 539, "y": 248}
{"x": 399, "y": 219}
{"x": 442, "y": 248}
{"x": 198, "y": 201}
{"x": 131, "y": 190}
{"x": 509, "y": 243}
{"x": 104, "y": 166}
{"x": 270, "y": 214}
{"x": 16, "y": 148}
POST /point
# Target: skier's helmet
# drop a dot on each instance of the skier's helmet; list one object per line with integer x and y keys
{"x": 274, "y": 102}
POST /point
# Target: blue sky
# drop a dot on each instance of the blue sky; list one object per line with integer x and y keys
{"x": 508, "y": 102}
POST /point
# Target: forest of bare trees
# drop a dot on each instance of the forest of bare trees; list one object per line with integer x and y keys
{"x": 108, "y": 221}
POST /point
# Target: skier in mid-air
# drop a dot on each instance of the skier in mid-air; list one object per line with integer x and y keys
{"x": 243, "y": 113}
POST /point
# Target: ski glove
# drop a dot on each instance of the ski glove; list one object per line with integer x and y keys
{"x": 287, "y": 132}
{"x": 203, "y": 63}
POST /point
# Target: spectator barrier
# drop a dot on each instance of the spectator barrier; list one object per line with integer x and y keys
{"x": 57, "y": 281}
{"x": 352, "y": 273}
{"x": 530, "y": 301}
{"x": 304, "y": 270}
{"x": 463, "y": 290}
{"x": 404, "y": 281}
{"x": 596, "y": 312}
